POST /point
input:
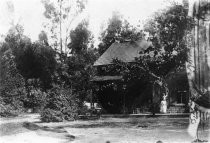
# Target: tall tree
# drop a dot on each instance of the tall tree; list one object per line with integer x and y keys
{"x": 33, "y": 60}
{"x": 43, "y": 38}
{"x": 118, "y": 30}
{"x": 167, "y": 32}
{"x": 80, "y": 38}
{"x": 61, "y": 14}
{"x": 113, "y": 29}
{"x": 12, "y": 84}
{"x": 80, "y": 63}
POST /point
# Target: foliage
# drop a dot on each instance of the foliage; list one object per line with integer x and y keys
{"x": 27, "y": 68}
{"x": 37, "y": 61}
{"x": 108, "y": 36}
{"x": 72, "y": 78}
{"x": 12, "y": 89}
{"x": 81, "y": 71}
{"x": 43, "y": 38}
{"x": 118, "y": 30}
{"x": 80, "y": 38}
{"x": 49, "y": 115}
{"x": 167, "y": 33}
{"x": 33, "y": 60}
{"x": 10, "y": 109}
{"x": 39, "y": 70}
{"x": 77, "y": 70}
{"x": 169, "y": 51}
{"x": 60, "y": 104}
{"x": 36, "y": 98}
{"x": 61, "y": 14}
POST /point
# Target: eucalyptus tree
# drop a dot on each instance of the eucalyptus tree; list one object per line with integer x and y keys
{"x": 61, "y": 14}
{"x": 80, "y": 64}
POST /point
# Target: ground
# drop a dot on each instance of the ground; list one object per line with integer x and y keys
{"x": 29, "y": 129}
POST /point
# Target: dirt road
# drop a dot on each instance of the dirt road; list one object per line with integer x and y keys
{"x": 29, "y": 129}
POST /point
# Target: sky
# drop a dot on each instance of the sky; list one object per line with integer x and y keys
{"x": 29, "y": 13}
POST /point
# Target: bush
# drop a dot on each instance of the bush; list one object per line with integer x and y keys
{"x": 83, "y": 110}
{"x": 60, "y": 105}
{"x": 36, "y": 99}
{"x": 12, "y": 109}
{"x": 49, "y": 115}
{"x": 12, "y": 89}
{"x": 8, "y": 111}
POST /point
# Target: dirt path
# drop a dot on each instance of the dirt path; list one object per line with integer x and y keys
{"x": 28, "y": 129}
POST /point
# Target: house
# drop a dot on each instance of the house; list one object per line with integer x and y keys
{"x": 138, "y": 95}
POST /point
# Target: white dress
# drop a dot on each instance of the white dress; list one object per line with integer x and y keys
{"x": 163, "y": 107}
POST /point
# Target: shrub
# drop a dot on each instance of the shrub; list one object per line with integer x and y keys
{"x": 83, "y": 110}
{"x": 12, "y": 109}
{"x": 12, "y": 89}
{"x": 50, "y": 115}
{"x": 70, "y": 113}
{"x": 60, "y": 105}
{"x": 36, "y": 99}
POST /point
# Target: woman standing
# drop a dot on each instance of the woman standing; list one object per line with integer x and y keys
{"x": 163, "y": 105}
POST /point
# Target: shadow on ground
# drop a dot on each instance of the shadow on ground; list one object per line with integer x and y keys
{"x": 8, "y": 129}
{"x": 11, "y": 129}
{"x": 130, "y": 123}
{"x": 49, "y": 131}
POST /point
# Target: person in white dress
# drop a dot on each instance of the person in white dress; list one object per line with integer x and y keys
{"x": 163, "y": 105}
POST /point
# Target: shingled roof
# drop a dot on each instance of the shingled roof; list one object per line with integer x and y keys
{"x": 125, "y": 52}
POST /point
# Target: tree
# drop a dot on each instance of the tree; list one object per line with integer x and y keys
{"x": 167, "y": 55}
{"x": 61, "y": 14}
{"x": 33, "y": 60}
{"x": 113, "y": 29}
{"x": 37, "y": 61}
{"x": 43, "y": 38}
{"x": 80, "y": 38}
{"x": 167, "y": 33}
{"x": 80, "y": 64}
{"x": 169, "y": 52}
{"x": 72, "y": 84}
{"x": 81, "y": 71}
{"x": 12, "y": 84}
{"x": 118, "y": 30}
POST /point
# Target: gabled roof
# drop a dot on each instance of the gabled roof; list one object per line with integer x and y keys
{"x": 126, "y": 52}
